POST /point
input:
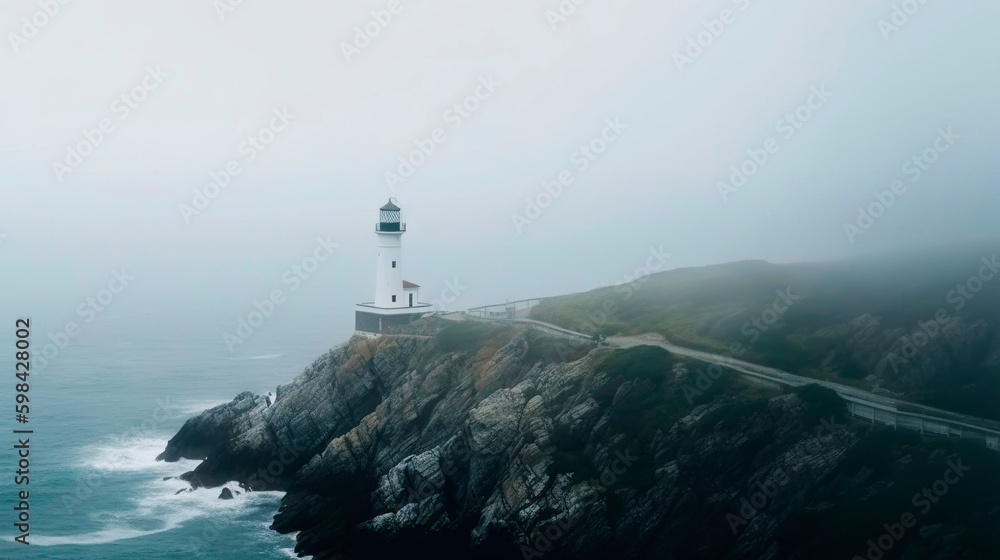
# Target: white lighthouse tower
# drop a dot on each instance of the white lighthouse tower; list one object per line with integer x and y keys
{"x": 397, "y": 302}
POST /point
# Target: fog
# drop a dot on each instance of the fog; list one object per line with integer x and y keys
{"x": 866, "y": 95}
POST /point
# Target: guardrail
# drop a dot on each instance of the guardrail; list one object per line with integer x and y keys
{"x": 506, "y": 310}
{"x": 544, "y": 327}
{"x": 877, "y": 410}
{"x": 880, "y": 410}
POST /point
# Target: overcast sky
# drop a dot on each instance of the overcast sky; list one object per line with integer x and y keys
{"x": 215, "y": 76}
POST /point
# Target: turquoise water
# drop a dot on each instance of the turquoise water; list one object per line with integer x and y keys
{"x": 104, "y": 408}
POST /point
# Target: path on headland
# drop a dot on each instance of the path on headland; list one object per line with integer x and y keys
{"x": 878, "y": 409}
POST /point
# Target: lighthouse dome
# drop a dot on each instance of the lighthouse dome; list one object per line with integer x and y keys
{"x": 389, "y": 219}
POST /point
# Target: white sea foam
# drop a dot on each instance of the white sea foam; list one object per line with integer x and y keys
{"x": 197, "y": 407}
{"x": 158, "y": 507}
{"x": 103, "y": 536}
{"x": 262, "y": 357}
{"x": 290, "y": 551}
{"x": 132, "y": 453}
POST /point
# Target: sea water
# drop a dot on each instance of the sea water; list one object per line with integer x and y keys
{"x": 105, "y": 407}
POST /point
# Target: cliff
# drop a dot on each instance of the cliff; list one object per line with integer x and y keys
{"x": 494, "y": 442}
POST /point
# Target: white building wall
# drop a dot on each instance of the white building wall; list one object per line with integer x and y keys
{"x": 411, "y": 291}
{"x": 389, "y": 280}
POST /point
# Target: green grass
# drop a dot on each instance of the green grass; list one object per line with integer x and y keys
{"x": 712, "y": 307}
{"x": 550, "y": 349}
{"x": 469, "y": 336}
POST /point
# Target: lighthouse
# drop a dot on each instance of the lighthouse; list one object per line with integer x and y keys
{"x": 397, "y": 302}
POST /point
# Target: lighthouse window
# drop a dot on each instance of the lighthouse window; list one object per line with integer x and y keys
{"x": 393, "y": 264}
{"x": 394, "y": 299}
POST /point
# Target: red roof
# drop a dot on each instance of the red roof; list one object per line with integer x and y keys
{"x": 409, "y": 285}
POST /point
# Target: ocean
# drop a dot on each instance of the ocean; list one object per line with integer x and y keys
{"x": 105, "y": 406}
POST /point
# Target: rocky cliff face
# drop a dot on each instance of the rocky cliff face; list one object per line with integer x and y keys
{"x": 487, "y": 442}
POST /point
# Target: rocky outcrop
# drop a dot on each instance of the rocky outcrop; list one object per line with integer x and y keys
{"x": 489, "y": 442}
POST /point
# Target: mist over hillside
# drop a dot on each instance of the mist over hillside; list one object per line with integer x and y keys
{"x": 919, "y": 324}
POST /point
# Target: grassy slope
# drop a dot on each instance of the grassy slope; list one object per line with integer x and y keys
{"x": 819, "y": 334}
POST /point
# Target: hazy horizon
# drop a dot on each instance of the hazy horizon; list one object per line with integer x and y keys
{"x": 188, "y": 220}
{"x": 546, "y": 87}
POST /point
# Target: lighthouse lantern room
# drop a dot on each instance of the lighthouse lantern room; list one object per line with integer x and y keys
{"x": 397, "y": 302}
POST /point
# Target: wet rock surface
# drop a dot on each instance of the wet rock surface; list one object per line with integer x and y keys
{"x": 489, "y": 442}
